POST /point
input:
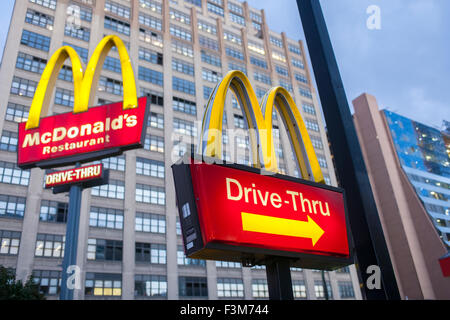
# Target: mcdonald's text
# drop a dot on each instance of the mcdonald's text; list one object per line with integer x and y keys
{"x": 73, "y": 175}
{"x": 81, "y": 135}
{"x": 244, "y": 208}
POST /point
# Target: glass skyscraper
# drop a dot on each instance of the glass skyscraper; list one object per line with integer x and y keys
{"x": 424, "y": 156}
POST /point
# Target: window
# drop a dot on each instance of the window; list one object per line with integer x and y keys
{"x": 319, "y": 289}
{"x": 12, "y": 206}
{"x": 182, "y": 260}
{"x": 117, "y": 9}
{"x": 64, "y": 97}
{"x": 9, "y": 241}
{"x": 115, "y": 189}
{"x": 185, "y": 106}
{"x": 151, "y": 37}
{"x": 53, "y": 211}
{"x": 228, "y": 264}
{"x": 150, "y": 285}
{"x": 282, "y": 71}
{"x": 237, "y": 66}
{"x": 300, "y": 77}
{"x": 278, "y": 56}
{"x": 39, "y": 19}
{"x": 150, "y": 21}
{"x": 35, "y": 40}
{"x": 312, "y": 125}
{"x": 230, "y": 288}
{"x": 16, "y": 112}
{"x": 48, "y": 281}
{"x": 150, "y": 194}
{"x": 262, "y": 77}
{"x": 182, "y": 85}
{"x": 182, "y": 48}
{"x": 305, "y": 92}
{"x": 151, "y": 253}
{"x": 192, "y": 286}
{"x": 210, "y": 75}
{"x": 180, "y": 32}
{"x": 184, "y": 127}
{"x": 255, "y": 17}
{"x": 215, "y": 9}
{"x": 149, "y": 222}
{"x": 294, "y": 49}
{"x": 110, "y": 85}
{"x": 49, "y": 245}
{"x": 65, "y": 74}
{"x": 297, "y": 63}
{"x": 211, "y": 59}
{"x": 287, "y": 85}
{"x": 234, "y": 38}
{"x": 155, "y": 97}
{"x": 182, "y": 66}
{"x": 234, "y": 53}
{"x": 258, "y": 62}
{"x": 206, "y": 27}
{"x": 150, "y": 167}
{"x": 198, "y": 3}
{"x": 316, "y": 142}
{"x": 150, "y": 56}
{"x": 156, "y": 120}
{"x": 277, "y": 42}
{"x": 81, "y": 33}
{"x": 106, "y": 218}
{"x": 11, "y": 173}
{"x": 104, "y": 250}
{"x": 235, "y": 8}
{"x": 84, "y": 13}
{"x": 256, "y": 47}
{"x": 208, "y": 43}
{"x": 114, "y": 163}
{"x": 239, "y": 122}
{"x": 150, "y": 75}
{"x": 112, "y": 64}
{"x": 23, "y": 87}
{"x": 51, "y": 4}
{"x": 103, "y": 284}
{"x": 180, "y": 16}
{"x": 237, "y": 18}
{"x": 260, "y": 288}
{"x": 299, "y": 289}
{"x": 117, "y": 25}
{"x": 151, "y": 5}
{"x": 207, "y": 92}
{"x": 8, "y": 141}
{"x": 154, "y": 143}
{"x": 346, "y": 289}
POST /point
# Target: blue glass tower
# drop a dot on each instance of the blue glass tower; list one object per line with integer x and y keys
{"x": 424, "y": 154}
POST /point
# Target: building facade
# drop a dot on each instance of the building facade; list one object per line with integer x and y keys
{"x": 129, "y": 244}
{"x": 409, "y": 169}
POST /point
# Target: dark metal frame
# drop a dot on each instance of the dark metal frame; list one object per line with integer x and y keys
{"x": 368, "y": 237}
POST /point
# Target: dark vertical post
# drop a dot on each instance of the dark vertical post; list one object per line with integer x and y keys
{"x": 70, "y": 250}
{"x": 368, "y": 237}
{"x": 279, "y": 281}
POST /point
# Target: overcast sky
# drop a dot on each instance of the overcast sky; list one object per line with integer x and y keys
{"x": 405, "y": 64}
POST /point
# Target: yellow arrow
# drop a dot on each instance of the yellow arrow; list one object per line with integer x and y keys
{"x": 280, "y": 226}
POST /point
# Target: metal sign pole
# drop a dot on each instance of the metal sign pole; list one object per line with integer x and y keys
{"x": 368, "y": 237}
{"x": 279, "y": 281}
{"x": 70, "y": 250}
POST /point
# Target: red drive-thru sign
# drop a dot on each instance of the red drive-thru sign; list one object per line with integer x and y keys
{"x": 86, "y": 136}
{"x": 73, "y": 176}
{"x": 241, "y": 210}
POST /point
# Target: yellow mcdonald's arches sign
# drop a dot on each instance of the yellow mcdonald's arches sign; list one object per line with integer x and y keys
{"x": 84, "y": 84}
{"x": 82, "y": 135}
{"x": 259, "y": 122}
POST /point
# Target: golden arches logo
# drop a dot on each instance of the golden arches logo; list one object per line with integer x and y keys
{"x": 85, "y": 83}
{"x": 259, "y": 123}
